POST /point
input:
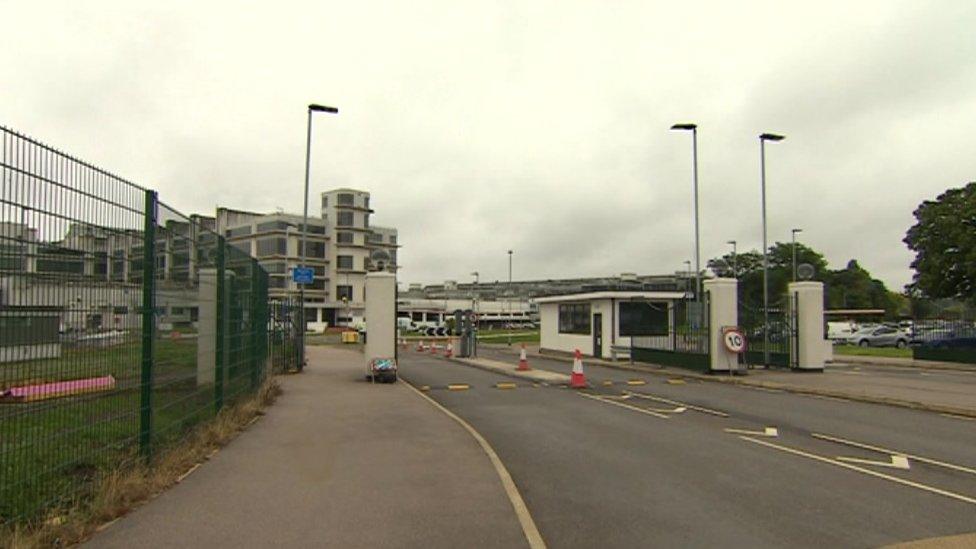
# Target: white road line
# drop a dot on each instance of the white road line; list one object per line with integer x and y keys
{"x": 771, "y": 432}
{"x": 622, "y": 405}
{"x": 902, "y": 481}
{"x": 824, "y": 397}
{"x": 894, "y": 452}
{"x": 897, "y": 462}
{"x": 954, "y": 416}
{"x": 676, "y": 403}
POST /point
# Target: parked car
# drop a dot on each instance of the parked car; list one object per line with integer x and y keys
{"x": 879, "y": 336}
{"x": 838, "y": 332}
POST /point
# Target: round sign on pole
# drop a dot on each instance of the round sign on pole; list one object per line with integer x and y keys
{"x": 735, "y": 342}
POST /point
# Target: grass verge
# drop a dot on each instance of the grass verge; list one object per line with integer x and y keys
{"x": 120, "y": 490}
{"x": 854, "y": 350}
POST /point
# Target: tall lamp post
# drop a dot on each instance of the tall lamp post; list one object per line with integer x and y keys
{"x": 510, "y": 296}
{"x": 763, "y": 138}
{"x": 794, "y": 231}
{"x": 474, "y": 296}
{"x": 735, "y": 271}
{"x": 693, "y": 128}
{"x": 313, "y": 108}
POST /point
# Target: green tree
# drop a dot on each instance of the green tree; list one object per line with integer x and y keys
{"x": 944, "y": 241}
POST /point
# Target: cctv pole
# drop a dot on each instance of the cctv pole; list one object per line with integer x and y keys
{"x": 735, "y": 273}
{"x": 794, "y": 231}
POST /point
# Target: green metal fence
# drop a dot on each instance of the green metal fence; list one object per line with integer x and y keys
{"x": 682, "y": 341}
{"x": 123, "y": 324}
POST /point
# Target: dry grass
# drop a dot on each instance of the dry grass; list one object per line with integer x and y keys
{"x": 121, "y": 490}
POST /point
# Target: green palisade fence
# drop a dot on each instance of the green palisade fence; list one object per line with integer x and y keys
{"x": 123, "y": 324}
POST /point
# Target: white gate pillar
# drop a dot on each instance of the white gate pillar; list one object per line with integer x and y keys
{"x": 723, "y": 304}
{"x": 812, "y": 349}
{"x": 380, "y": 316}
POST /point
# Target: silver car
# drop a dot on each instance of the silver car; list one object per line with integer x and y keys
{"x": 879, "y": 336}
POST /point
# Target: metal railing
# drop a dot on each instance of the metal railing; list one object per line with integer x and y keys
{"x": 123, "y": 324}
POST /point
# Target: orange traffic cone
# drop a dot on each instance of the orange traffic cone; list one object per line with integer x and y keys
{"x": 523, "y": 364}
{"x": 450, "y": 350}
{"x": 433, "y": 347}
{"x": 577, "y": 380}
{"x": 420, "y": 346}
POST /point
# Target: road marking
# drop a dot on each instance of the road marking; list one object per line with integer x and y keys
{"x": 607, "y": 383}
{"x": 964, "y": 418}
{"x": 771, "y": 432}
{"x": 850, "y": 373}
{"x": 764, "y": 389}
{"x": 676, "y": 403}
{"x": 678, "y": 410}
{"x": 529, "y": 529}
{"x": 823, "y": 459}
{"x": 636, "y": 382}
{"x": 458, "y": 387}
{"x": 897, "y": 461}
{"x": 425, "y": 387}
{"x": 675, "y": 381}
{"x": 505, "y": 385}
{"x": 881, "y": 450}
{"x": 824, "y": 397}
{"x": 622, "y": 405}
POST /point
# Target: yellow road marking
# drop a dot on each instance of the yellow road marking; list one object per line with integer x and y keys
{"x": 622, "y": 405}
{"x": 505, "y": 385}
{"x": 675, "y": 381}
{"x": 607, "y": 383}
{"x": 676, "y": 403}
{"x": 636, "y": 382}
{"x": 458, "y": 387}
{"x": 771, "y": 432}
{"x": 529, "y": 529}
{"x": 897, "y": 462}
{"x": 823, "y": 459}
{"x": 881, "y": 450}
{"x": 425, "y": 387}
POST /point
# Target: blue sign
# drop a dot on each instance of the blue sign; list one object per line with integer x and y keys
{"x": 303, "y": 275}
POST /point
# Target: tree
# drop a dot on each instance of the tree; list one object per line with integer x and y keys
{"x": 944, "y": 241}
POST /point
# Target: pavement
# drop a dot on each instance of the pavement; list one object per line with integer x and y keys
{"x": 336, "y": 462}
{"x": 641, "y": 460}
{"x": 941, "y": 390}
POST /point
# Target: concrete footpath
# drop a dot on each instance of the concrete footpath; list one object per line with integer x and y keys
{"x": 336, "y": 462}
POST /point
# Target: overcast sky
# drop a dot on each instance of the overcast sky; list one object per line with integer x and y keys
{"x": 536, "y": 126}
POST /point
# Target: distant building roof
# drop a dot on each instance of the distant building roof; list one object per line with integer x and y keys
{"x": 590, "y": 296}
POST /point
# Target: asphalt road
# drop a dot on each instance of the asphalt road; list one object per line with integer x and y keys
{"x": 624, "y": 472}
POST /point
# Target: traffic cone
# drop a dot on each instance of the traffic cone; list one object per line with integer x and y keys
{"x": 577, "y": 380}
{"x": 450, "y": 350}
{"x": 433, "y": 347}
{"x": 523, "y": 364}
{"x": 420, "y": 346}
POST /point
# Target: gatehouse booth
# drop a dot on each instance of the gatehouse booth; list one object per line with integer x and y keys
{"x": 603, "y": 324}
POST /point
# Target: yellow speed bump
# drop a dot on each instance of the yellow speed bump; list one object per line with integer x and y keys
{"x": 458, "y": 387}
{"x": 636, "y": 382}
{"x": 505, "y": 385}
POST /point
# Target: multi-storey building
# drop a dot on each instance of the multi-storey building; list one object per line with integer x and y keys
{"x": 341, "y": 247}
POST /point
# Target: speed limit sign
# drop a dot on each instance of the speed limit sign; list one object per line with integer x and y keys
{"x": 735, "y": 342}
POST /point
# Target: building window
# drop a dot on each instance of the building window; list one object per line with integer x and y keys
{"x": 318, "y": 269}
{"x": 366, "y": 202}
{"x": 275, "y": 267}
{"x": 393, "y": 239}
{"x": 366, "y": 220}
{"x": 313, "y": 229}
{"x": 344, "y": 262}
{"x": 574, "y": 318}
{"x": 238, "y": 231}
{"x": 643, "y": 319}
{"x": 272, "y": 246}
{"x": 344, "y": 292}
{"x": 346, "y": 199}
{"x": 344, "y": 238}
{"x": 345, "y": 219}
{"x": 244, "y": 246}
{"x": 317, "y": 284}
{"x": 273, "y": 226}
{"x": 375, "y": 238}
{"x": 277, "y": 282}
{"x": 315, "y": 249}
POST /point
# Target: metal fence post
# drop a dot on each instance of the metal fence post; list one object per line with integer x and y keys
{"x": 148, "y": 322}
{"x": 255, "y": 318}
{"x": 220, "y": 356}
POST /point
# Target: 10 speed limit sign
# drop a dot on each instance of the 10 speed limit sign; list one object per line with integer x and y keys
{"x": 735, "y": 342}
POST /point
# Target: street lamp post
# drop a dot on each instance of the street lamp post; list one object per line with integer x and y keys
{"x": 510, "y": 297}
{"x": 693, "y": 128}
{"x": 794, "y": 231}
{"x": 763, "y": 138}
{"x": 308, "y": 153}
{"x": 735, "y": 271}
